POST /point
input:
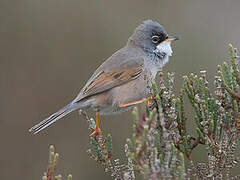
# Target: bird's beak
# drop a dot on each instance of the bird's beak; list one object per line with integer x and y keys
{"x": 172, "y": 38}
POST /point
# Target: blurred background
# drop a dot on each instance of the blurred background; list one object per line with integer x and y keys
{"x": 49, "y": 49}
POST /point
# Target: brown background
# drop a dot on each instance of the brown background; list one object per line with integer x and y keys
{"x": 49, "y": 48}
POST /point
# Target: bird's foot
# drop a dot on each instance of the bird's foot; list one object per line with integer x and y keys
{"x": 97, "y": 132}
{"x": 150, "y": 103}
{"x": 148, "y": 100}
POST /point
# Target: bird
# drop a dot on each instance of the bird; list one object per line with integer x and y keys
{"x": 124, "y": 79}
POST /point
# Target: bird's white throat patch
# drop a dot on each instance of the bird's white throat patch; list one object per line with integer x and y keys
{"x": 165, "y": 47}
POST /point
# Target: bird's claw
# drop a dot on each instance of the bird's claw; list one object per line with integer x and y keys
{"x": 96, "y": 132}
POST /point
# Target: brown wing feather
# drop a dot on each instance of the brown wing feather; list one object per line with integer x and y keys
{"x": 103, "y": 81}
{"x": 112, "y": 79}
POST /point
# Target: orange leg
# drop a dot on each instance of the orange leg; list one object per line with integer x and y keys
{"x": 97, "y": 130}
{"x": 131, "y": 103}
{"x": 149, "y": 100}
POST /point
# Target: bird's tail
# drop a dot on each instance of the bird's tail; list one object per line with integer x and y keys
{"x": 53, "y": 118}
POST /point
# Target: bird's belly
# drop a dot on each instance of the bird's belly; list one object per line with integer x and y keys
{"x": 107, "y": 104}
{"x": 133, "y": 91}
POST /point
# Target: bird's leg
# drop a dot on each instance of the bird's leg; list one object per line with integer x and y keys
{"x": 97, "y": 130}
{"x": 150, "y": 103}
{"x": 149, "y": 100}
{"x": 132, "y": 103}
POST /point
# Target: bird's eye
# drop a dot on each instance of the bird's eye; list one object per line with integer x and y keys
{"x": 155, "y": 39}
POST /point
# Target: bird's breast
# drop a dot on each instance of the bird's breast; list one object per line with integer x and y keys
{"x": 154, "y": 64}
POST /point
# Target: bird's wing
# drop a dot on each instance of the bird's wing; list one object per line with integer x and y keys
{"x": 111, "y": 73}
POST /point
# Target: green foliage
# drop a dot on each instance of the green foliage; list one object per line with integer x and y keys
{"x": 51, "y": 169}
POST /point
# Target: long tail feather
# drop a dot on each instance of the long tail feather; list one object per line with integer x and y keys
{"x": 53, "y": 118}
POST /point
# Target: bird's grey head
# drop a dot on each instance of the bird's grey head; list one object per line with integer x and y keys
{"x": 153, "y": 39}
